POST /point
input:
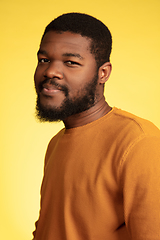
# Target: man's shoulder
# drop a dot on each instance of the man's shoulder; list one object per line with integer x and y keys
{"x": 54, "y": 140}
{"x": 133, "y": 123}
{"x": 56, "y": 137}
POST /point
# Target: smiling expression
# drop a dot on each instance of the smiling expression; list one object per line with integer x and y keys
{"x": 66, "y": 68}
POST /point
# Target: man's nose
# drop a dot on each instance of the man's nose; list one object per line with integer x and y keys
{"x": 53, "y": 70}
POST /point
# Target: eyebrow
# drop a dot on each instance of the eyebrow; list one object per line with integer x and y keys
{"x": 77, "y": 55}
{"x": 41, "y": 52}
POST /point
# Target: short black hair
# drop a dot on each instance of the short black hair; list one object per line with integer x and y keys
{"x": 86, "y": 26}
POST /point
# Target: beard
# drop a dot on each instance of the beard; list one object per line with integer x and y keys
{"x": 85, "y": 99}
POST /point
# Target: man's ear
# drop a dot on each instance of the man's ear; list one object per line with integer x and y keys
{"x": 104, "y": 72}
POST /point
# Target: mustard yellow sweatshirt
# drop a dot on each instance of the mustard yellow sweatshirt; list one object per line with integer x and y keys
{"x": 102, "y": 181}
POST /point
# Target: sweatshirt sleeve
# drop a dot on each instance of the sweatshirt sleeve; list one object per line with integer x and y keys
{"x": 140, "y": 179}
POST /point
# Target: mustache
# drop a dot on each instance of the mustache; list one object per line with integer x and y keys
{"x": 53, "y": 83}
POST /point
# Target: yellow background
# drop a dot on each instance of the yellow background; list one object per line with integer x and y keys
{"x": 134, "y": 86}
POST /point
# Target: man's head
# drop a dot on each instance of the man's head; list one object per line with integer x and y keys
{"x": 86, "y": 26}
{"x": 73, "y": 65}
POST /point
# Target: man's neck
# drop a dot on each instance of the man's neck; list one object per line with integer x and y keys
{"x": 100, "y": 109}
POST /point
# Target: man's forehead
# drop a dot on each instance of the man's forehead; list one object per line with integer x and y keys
{"x": 71, "y": 40}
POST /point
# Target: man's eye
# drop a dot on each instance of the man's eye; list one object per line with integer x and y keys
{"x": 71, "y": 63}
{"x": 43, "y": 60}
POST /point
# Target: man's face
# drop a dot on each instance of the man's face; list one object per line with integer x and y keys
{"x": 65, "y": 77}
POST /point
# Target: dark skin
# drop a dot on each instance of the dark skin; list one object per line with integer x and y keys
{"x": 100, "y": 109}
{"x": 67, "y": 59}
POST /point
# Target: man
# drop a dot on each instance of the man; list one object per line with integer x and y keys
{"x": 102, "y": 171}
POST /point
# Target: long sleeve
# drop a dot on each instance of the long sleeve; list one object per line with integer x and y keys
{"x": 140, "y": 178}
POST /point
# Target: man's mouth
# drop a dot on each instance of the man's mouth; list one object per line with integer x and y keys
{"x": 49, "y": 89}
